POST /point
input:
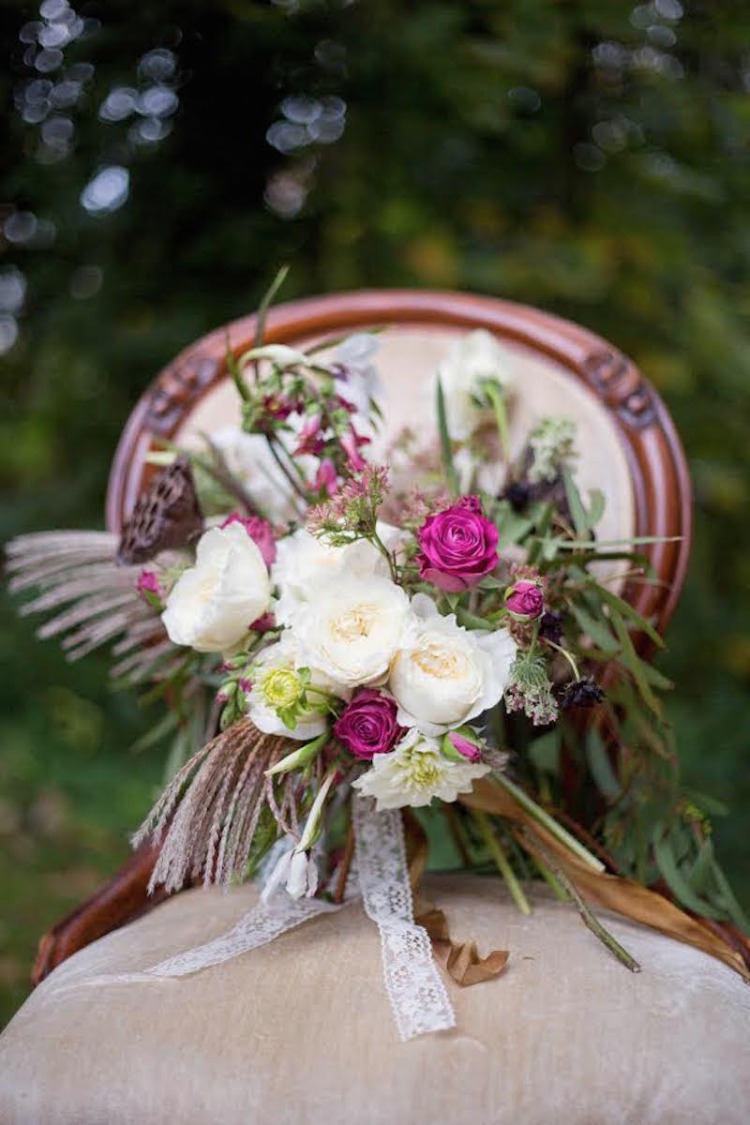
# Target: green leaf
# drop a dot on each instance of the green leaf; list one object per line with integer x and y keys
{"x": 446, "y": 450}
{"x": 630, "y": 659}
{"x": 625, "y": 610}
{"x": 678, "y": 883}
{"x": 597, "y": 629}
{"x": 600, "y": 765}
{"x": 577, "y": 510}
{"x": 544, "y": 752}
{"x": 511, "y": 526}
{"x": 596, "y": 506}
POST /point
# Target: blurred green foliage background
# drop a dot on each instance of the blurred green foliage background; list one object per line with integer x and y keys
{"x": 160, "y": 161}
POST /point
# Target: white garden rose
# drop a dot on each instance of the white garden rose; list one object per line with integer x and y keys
{"x": 446, "y": 675}
{"x": 353, "y": 629}
{"x": 474, "y": 357}
{"x": 304, "y": 562}
{"x": 415, "y": 772}
{"x": 213, "y": 604}
{"x": 277, "y": 685}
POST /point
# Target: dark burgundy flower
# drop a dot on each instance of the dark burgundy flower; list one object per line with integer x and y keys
{"x": 550, "y": 626}
{"x": 458, "y": 546}
{"x": 581, "y": 693}
{"x": 367, "y": 726}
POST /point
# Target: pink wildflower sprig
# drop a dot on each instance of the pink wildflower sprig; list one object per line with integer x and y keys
{"x": 352, "y": 512}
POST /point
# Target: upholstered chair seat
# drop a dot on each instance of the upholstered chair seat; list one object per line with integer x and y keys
{"x": 301, "y": 1029}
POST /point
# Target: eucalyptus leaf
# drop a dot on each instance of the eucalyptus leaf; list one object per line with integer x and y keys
{"x": 678, "y": 883}
{"x": 600, "y": 765}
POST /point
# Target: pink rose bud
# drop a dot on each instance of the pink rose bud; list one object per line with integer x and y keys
{"x": 458, "y": 546}
{"x": 524, "y": 600}
{"x": 367, "y": 726}
{"x": 260, "y": 531}
{"x": 462, "y": 747}
{"x": 149, "y": 589}
{"x": 263, "y": 624}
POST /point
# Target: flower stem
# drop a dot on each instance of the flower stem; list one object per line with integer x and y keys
{"x": 564, "y": 652}
{"x": 378, "y": 542}
{"x": 289, "y": 476}
{"x": 501, "y": 860}
{"x": 345, "y": 866}
{"x": 587, "y": 915}
{"x": 546, "y": 821}
{"x": 494, "y": 394}
{"x": 551, "y": 879}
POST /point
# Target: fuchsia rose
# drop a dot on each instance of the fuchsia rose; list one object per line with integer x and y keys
{"x": 367, "y": 726}
{"x": 260, "y": 531}
{"x": 524, "y": 600}
{"x": 458, "y": 546}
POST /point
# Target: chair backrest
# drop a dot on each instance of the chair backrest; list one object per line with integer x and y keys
{"x": 627, "y": 441}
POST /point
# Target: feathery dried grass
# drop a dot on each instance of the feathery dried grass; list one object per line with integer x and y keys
{"x": 208, "y": 814}
{"x": 91, "y": 600}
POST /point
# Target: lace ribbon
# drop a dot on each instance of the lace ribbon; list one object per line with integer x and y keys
{"x": 418, "y": 998}
{"x": 264, "y": 923}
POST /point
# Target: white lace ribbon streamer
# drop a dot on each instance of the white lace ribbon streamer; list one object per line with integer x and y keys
{"x": 264, "y": 923}
{"x": 418, "y": 997}
{"x": 417, "y": 994}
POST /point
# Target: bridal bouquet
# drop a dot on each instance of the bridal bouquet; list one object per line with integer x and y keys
{"x": 365, "y": 647}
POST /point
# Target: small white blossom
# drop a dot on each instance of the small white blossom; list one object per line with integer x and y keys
{"x": 362, "y": 381}
{"x": 416, "y": 772}
{"x": 551, "y": 444}
{"x": 297, "y": 869}
{"x": 474, "y": 357}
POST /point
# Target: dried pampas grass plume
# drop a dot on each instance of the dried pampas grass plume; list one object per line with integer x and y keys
{"x": 208, "y": 814}
{"x": 90, "y": 601}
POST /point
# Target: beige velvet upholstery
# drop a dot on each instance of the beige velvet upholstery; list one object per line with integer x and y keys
{"x": 300, "y": 1031}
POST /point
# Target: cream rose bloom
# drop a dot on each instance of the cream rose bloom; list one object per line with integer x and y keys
{"x": 352, "y": 630}
{"x": 446, "y": 675}
{"x": 415, "y": 772}
{"x": 304, "y": 562}
{"x": 213, "y": 604}
{"x": 474, "y": 357}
